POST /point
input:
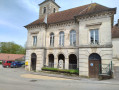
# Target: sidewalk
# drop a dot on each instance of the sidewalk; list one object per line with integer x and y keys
{"x": 81, "y": 79}
{"x": 56, "y": 75}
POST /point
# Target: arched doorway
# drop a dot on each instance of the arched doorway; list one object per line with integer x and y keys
{"x": 61, "y": 61}
{"x": 72, "y": 61}
{"x": 33, "y": 61}
{"x": 94, "y": 65}
{"x": 51, "y": 60}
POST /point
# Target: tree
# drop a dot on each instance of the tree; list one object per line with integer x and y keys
{"x": 11, "y": 48}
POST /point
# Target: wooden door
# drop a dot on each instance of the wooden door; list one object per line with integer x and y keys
{"x": 94, "y": 68}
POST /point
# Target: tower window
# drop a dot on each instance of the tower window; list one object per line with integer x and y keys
{"x": 44, "y": 11}
{"x": 54, "y": 10}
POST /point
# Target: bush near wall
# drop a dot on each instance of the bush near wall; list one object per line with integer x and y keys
{"x": 0, "y": 62}
{"x": 61, "y": 70}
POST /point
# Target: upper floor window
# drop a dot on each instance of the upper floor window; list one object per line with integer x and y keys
{"x": 54, "y": 10}
{"x": 34, "y": 40}
{"x": 94, "y": 36}
{"x": 44, "y": 11}
{"x": 73, "y": 38}
{"x": 52, "y": 39}
{"x": 61, "y": 38}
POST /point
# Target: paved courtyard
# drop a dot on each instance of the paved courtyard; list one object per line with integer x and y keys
{"x": 19, "y": 79}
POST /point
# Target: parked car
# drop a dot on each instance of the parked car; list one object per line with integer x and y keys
{"x": 6, "y": 63}
{"x": 16, "y": 64}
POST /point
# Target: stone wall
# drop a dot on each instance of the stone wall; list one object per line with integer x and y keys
{"x": 40, "y": 58}
{"x": 84, "y": 53}
{"x": 104, "y": 49}
{"x": 38, "y": 31}
{"x": 66, "y": 27}
{"x": 65, "y": 52}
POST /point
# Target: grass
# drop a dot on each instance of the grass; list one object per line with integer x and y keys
{"x": 61, "y": 70}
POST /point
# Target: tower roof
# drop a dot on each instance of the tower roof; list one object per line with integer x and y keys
{"x": 53, "y": 1}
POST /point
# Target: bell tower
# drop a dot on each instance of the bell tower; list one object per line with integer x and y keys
{"x": 48, "y": 7}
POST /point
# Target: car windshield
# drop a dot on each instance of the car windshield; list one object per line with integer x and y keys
{"x": 9, "y": 61}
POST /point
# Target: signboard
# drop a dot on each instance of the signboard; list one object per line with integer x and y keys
{"x": 91, "y": 64}
{"x": 26, "y": 63}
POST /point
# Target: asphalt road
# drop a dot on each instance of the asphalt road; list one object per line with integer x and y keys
{"x": 10, "y": 79}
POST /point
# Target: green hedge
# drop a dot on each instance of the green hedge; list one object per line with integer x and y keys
{"x": 61, "y": 70}
{"x": 0, "y": 62}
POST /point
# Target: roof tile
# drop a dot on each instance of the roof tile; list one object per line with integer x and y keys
{"x": 13, "y": 57}
{"x": 70, "y": 13}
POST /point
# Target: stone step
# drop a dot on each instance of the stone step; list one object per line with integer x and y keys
{"x": 116, "y": 62}
{"x": 116, "y": 72}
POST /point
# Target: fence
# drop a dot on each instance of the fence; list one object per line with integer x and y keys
{"x": 72, "y": 66}
{"x": 51, "y": 65}
{"x": 105, "y": 69}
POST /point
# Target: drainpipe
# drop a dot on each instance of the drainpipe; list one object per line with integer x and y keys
{"x": 118, "y": 22}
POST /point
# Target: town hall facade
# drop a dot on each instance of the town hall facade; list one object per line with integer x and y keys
{"x": 77, "y": 38}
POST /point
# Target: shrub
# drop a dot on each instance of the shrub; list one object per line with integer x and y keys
{"x": 61, "y": 70}
{"x": 0, "y": 62}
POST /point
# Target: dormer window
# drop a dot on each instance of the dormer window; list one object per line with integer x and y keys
{"x": 54, "y": 10}
{"x": 44, "y": 11}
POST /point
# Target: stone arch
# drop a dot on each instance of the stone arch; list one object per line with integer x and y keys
{"x": 33, "y": 61}
{"x": 51, "y": 60}
{"x": 94, "y": 65}
{"x": 73, "y": 61}
{"x": 61, "y": 53}
{"x": 61, "y": 61}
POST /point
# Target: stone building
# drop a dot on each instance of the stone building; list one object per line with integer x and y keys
{"x": 77, "y": 38}
{"x": 115, "y": 42}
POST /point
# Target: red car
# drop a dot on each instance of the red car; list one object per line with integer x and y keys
{"x": 6, "y": 63}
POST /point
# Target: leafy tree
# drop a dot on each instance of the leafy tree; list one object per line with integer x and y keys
{"x": 11, "y": 48}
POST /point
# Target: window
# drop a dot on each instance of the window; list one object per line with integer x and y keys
{"x": 61, "y": 38}
{"x": 94, "y": 37}
{"x": 54, "y": 10}
{"x": 34, "y": 40}
{"x": 52, "y": 39}
{"x": 73, "y": 38}
{"x": 44, "y": 11}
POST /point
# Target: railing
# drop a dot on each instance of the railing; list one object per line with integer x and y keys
{"x": 105, "y": 69}
{"x": 72, "y": 66}
{"x": 51, "y": 65}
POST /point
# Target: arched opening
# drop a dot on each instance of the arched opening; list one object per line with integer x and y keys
{"x": 94, "y": 65}
{"x": 33, "y": 61}
{"x": 51, "y": 60}
{"x": 72, "y": 61}
{"x": 61, "y": 61}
